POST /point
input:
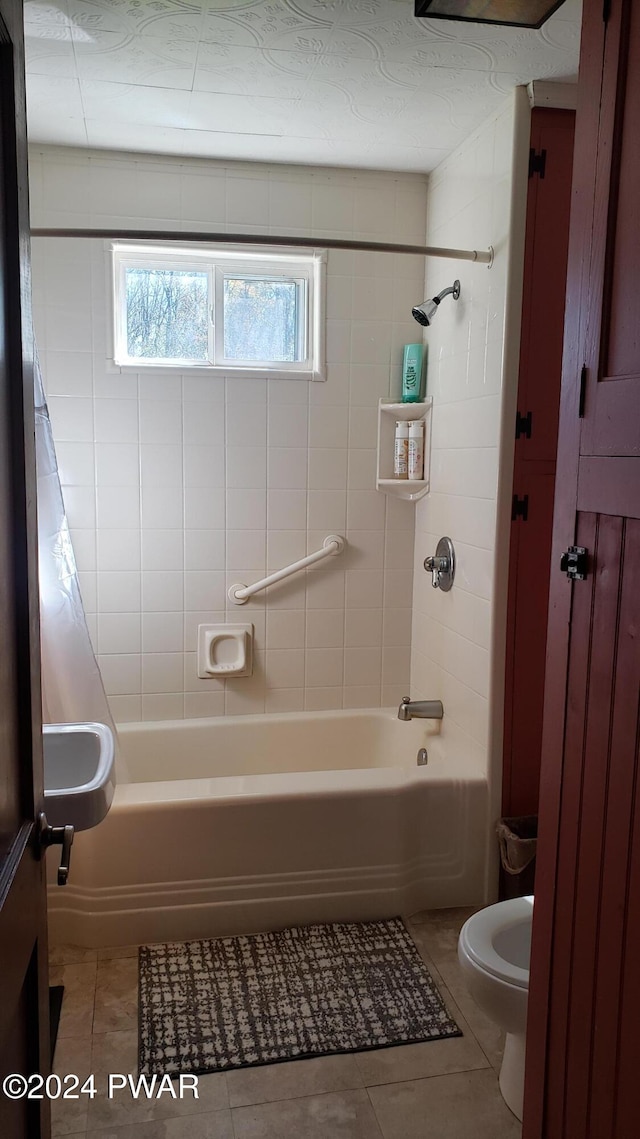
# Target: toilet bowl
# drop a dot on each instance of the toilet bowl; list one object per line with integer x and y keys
{"x": 494, "y": 949}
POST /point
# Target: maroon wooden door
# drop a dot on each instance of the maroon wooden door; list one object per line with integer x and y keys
{"x": 24, "y": 1045}
{"x": 545, "y": 278}
{"x": 584, "y": 1006}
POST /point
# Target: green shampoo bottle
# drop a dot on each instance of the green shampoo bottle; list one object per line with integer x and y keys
{"x": 412, "y": 373}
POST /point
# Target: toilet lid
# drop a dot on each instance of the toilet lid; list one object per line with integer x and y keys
{"x": 497, "y": 939}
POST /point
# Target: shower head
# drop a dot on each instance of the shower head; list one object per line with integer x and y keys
{"x": 425, "y": 312}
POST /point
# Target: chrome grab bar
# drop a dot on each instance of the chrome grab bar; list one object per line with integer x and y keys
{"x": 332, "y": 545}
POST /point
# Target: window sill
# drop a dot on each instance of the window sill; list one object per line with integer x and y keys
{"x": 213, "y": 370}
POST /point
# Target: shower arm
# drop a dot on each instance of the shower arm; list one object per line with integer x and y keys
{"x": 482, "y": 256}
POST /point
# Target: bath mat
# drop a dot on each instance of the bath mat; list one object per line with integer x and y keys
{"x": 236, "y": 1002}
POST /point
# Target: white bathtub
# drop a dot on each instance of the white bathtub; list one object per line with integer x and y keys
{"x": 247, "y": 823}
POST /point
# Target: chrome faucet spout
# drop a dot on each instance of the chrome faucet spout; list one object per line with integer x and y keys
{"x": 420, "y": 709}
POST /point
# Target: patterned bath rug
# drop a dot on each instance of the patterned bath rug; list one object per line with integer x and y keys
{"x": 237, "y": 1002}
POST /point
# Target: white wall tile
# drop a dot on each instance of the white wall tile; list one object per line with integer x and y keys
{"x": 119, "y": 633}
{"x": 117, "y": 464}
{"x": 162, "y": 508}
{"x": 287, "y": 468}
{"x": 246, "y": 467}
{"x": 204, "y": 549}
{"x": 76, "y": 464}
{"x": 363, "y": 628}
{"x": 204, "y": 589}
{"x": 203, "y": 423}
{"x": 119, "y": 592}
{"x": 327, "y": 468}
{"x": 120, "y": 674}
{"x": 451, "y": 634}
{"x": 323, "y": 699}
{"x": 163, "y": 592}
{"x": 325, "y": 628}
{"x": 285, "y": 629}
{"x": 116, "y": 421}
{"x": 163, "y": 706}
{"x": 247, "y": 548}
{"x": 197, "y": 481}
{"x": 162, "y": 550}
{"x": 285, "y": 668}
{"x": 162, "y": 632}
{"x": 80, "y": 505}
{"x": 203, "y": 466}
{"x": 288, "y": 424}
{"x": 204, "y": 508}
{"x": 324, "y": 667}
{"x": 286, "y": 509}
{"x": 162, "y": 672}
{"x": 72, "y": 418}
{"x": 246, "y": 424}
{"x": 118, "y": 549}
{"x": 328, "y": 427}
{"x": 160, "y": 421}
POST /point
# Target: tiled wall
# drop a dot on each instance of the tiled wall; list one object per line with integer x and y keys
{"x": 177, "y": 486}
{"x": 477, "y": 197}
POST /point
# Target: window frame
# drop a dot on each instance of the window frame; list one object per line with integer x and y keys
{"x": 306, "y": 267}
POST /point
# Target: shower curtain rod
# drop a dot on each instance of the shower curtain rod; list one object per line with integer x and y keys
{"x": 482, "y": 256}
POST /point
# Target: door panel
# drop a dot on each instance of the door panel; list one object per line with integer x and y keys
{"x": 612, "y": 355}
{"x": 584, "y": 1005}
{"x": 24, "y": 1019}
{"x": 545, "y": 271}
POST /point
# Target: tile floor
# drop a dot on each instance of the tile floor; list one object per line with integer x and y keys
{"x": 444, "y": 1089}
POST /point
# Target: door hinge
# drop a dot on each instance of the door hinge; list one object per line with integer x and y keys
{"x": 575, "y": 563}
{"x": 520, "y": 508}
{"x": 523, "y": 425}
{"x": 537, "y": 162}
{"x": 583, "y": 391}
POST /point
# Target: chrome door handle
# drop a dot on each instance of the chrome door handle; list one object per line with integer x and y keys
{"x": 57, "y": 836}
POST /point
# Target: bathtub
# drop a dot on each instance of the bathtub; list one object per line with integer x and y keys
{"x": 247, "y": 823}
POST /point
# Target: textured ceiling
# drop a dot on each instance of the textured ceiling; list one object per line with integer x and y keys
{"x": 344, "y": 82}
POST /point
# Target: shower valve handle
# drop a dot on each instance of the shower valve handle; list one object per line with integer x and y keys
{"x": 435, "y": 566}
{"x": 441, "y": 565}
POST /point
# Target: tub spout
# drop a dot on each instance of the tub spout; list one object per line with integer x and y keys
{"x": 420, "y": 709}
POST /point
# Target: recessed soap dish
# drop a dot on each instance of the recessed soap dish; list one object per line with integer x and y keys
{"x": 225, "y": 650}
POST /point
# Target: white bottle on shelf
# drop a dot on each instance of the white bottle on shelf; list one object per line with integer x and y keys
{"x": 401, "y": 453}
{"x": 415, "y": 459}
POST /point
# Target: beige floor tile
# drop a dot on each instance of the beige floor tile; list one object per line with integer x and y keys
{"x": 124, "y": 1109}
{"x": 114, "y": 1052}
{"x": 71, "y": 955}
{"x": 76, "y": 1016}
{"x": 210, "y": 1125}
{"x": 72, "y": 1057}
{"x": 339, "y": 1115}
{"x": 116, "y": 995}
{"x": 438, "y": 931}
{"x": 298, "y": 1078}
{"x": 451, "y": 982}
{"x": 415, "y": 1061}
{"x": 489, "y": 1036}
{"x": 68, "y": 1117}
{"x": 114, "y": 951}
{"x": 465, "y": 1105}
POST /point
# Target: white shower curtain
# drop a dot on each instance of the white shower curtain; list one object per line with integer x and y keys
{"x": 72, "y": 689}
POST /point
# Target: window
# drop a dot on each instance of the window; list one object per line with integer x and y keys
{"x": 225, "y": 310}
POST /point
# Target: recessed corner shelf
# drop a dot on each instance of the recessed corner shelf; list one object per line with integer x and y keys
{"x": 388, "y": 414}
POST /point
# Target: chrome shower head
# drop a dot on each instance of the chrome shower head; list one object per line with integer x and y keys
{"x": 425, "y": 312}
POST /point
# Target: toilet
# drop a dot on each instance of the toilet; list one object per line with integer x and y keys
{"x": 494, "y": 949}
